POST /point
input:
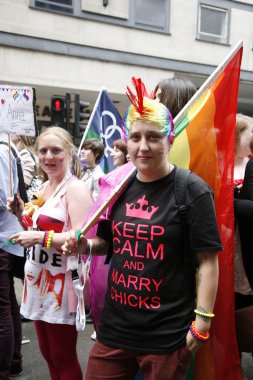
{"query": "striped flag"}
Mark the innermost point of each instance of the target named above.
(205, 144)
(105, 125)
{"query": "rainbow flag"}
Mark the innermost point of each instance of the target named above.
(205, 144)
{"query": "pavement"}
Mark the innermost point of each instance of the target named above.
(35, 367)
(247, 366)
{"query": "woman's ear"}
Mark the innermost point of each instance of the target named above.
(171, 141)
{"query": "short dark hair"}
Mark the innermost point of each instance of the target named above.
(96, 146)
(175, 93)
(121, 145)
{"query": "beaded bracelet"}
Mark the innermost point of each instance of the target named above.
(47, 239)
(202, 338)
(78, 236)
(44, 239)
(203, 314)
(77, 239)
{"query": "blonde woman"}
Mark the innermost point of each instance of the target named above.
(48, 297)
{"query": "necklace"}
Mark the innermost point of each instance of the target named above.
(67, 176)
(59, 186)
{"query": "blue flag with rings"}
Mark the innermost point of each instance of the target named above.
(105, 124)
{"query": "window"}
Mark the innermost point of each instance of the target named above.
(213, 24)
(151, 13)
(113, 8)
(65, 6)
(245, 1)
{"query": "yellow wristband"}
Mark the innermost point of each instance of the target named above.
(49, 239)
(203, 314)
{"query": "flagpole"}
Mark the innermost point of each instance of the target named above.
(10, 164)
(207, 83)
(95, 217)
(90, 120)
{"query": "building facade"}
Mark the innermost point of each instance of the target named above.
(80, 46)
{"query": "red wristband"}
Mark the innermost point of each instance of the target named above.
(201, 337)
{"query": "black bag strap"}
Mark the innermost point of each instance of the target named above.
(21, 182)
(181, 182)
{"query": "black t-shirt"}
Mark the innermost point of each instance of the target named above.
(151, 295)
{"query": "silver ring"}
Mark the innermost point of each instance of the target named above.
(13, 241)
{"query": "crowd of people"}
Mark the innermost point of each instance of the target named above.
(155, 313)
(243, 181)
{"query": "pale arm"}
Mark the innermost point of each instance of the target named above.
(78, 202)
(207, 285)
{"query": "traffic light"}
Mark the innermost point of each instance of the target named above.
(81, 113)
(58, 110)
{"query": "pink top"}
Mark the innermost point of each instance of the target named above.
(48, 290)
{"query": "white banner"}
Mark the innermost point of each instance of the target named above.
(17, 116)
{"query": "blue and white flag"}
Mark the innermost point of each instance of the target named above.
(105, 124)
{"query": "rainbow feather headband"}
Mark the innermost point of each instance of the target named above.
(144, 107)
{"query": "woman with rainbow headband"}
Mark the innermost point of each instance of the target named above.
(150, 318)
